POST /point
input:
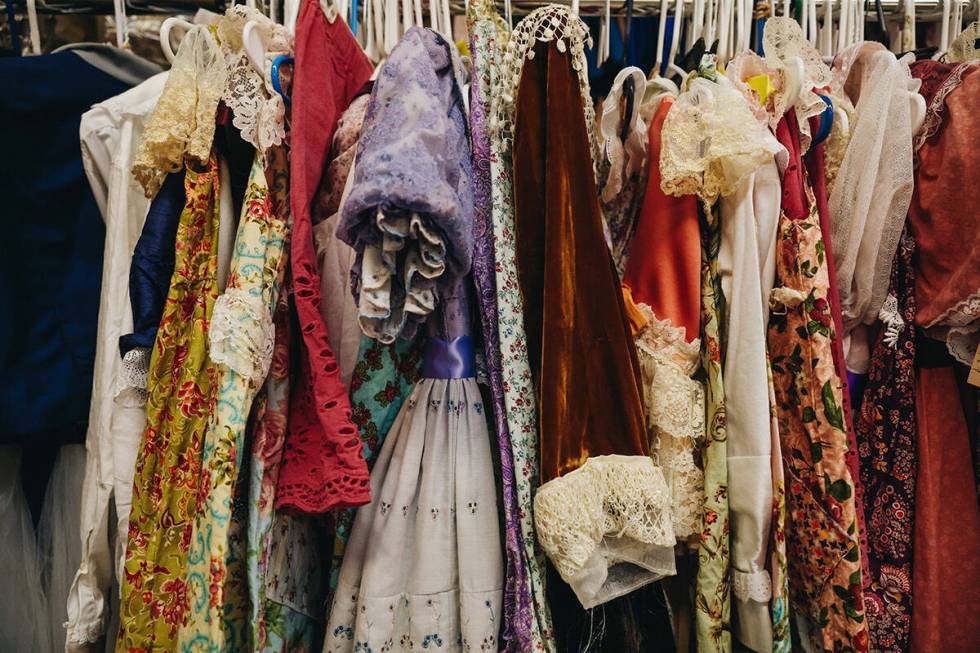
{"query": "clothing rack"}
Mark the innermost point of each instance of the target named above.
(105, 7)
(923, 8)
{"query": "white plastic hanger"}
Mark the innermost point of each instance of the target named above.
(944, 32)
(725, 19)
(447, 22)
(165, 28)
(122, 27)
(602, 52)
(826, 40)
(253, 46)
(290, 14)
(675, 40)
(697, 23)
(34, 27)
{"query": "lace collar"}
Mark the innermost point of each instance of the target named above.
(783, 38)
(258, 111)
(553, 23)
(211, 66)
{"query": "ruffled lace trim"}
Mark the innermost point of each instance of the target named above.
(934, 112)
(964, 47)
(675, 408)
(182, 125)
(242, 334)
(668, 343)
(257, 110)
(131, 383)
(384, 308)
(959, 326)
(626, 159)
(612, 509)
(752, 586)
(782, 39)
(553, 23)
(712, 141)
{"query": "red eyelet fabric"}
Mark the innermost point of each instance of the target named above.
(323, 466)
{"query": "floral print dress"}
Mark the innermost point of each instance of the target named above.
(181, 388)
(242, 344)
(823, 549)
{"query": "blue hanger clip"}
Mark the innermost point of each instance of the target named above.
(274, 73)
(826, 121)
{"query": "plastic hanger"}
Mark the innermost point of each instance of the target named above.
(675, 40)
(33, 26)
(253, 45)
(274, 74)
(122, 27)
(165, 28)
(602, 52)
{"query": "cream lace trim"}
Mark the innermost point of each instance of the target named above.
(608, 498)
(783, 38)
(891, 318)
(712, 141)
(963, 48)
(258, 111)
(242, 334)
(553, 23)
(959, 326)
(675, 409)
(752, 586)
(130, 390)
(934, 112)
(182, 125)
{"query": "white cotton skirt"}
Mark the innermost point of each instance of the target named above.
(424, 566)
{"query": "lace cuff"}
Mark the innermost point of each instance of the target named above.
(130, 390)
(675, 409)
(606, 526)
(242, 334)
(752, 585)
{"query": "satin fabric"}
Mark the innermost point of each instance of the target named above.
(153, 263)
(323, 466)
(580, 347)
(664, 267)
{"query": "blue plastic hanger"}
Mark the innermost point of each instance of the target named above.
(274, 72)
(826, 121)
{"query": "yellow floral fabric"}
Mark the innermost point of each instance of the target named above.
(181, 388)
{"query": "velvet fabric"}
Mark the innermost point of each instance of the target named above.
(664, 268)
(580, 347)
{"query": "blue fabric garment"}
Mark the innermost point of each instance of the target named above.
(153, 263)
(51, 251)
